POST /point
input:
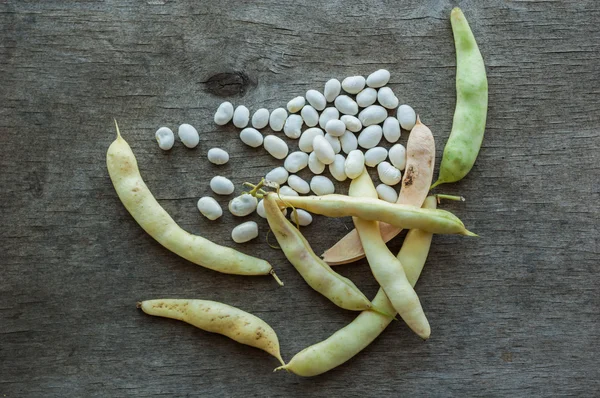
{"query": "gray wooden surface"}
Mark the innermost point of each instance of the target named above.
(513, 313)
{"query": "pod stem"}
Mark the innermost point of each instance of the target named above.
(282, 367)
(138, 304)
(256, 191)
(449, 197)
(274, 275)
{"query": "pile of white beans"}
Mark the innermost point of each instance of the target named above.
(325, 125)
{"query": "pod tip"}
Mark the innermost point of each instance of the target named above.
(274, 275)
(138, 304)
(435, 184)
(117, 127)
(469, 233)
(282, 367)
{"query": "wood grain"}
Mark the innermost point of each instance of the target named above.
(513, 313)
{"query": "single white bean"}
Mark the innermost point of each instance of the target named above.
(209, 208)
(321, 185)
(332, 89)
(298, 184)
(302, 217)
(284, 190)
(327, 115)
(388, 174)
(165, 138)
(260, 119)
(295, 104)
(305, 143)
(407, 117)
(310, 116)
(349, 141)
(387, 193)
(277, 119)
(370, 136)
(387, 98)
(374, 156)
(373, 114)
(278, 175)
(314, 164)
(242, 205)
(241, 117)
(221, 185)
(398, 156)
(260, 209)
(337, 168)
(366, 97)
(188, 135)
(379, 78)
(224, 113)
(323, 149)
(346, 105)
(334, 142)
(251, 137)
(276, 146)
(335, 127)
(352, 123)
(355, 164)
(316, 99)
(391, 129)
(353, 84)
(217, 156)
(293, 126)
(296, 161)
(245, 232)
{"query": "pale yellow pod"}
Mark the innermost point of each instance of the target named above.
(216, 317)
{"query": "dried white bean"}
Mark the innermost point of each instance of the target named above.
(374, 156)
(217, 156)
(260, 209)
(366, 97)
(302, 217)
(407, 117)
(332, 89)
(346, 105)
(398, 156)
(251, 137)
(245, 232)
(321, 185)
(370, 136)
(334, 142)
(242, 205)
(293, 126)
(224, 113)
(314, 164)
(391, 129)
(305, 143)
(379, 78)
(298, 184)
(352, 123)
(316, 99)
(295, 104)
(387, 98)
(388, 174)
(277, 119)
(353, 84)
(336, 169)
(241, 116)
(355, 164)
(209, 208)
(165, 138)
(284, 190)
(323, 150)
(188, 135)
(260, 119)
(387, 193)
(335, 127)
(310, 116)
(221, 185)
(348, 141)
(373, 114)
(296, 161)
(278, 175)
(275, 146)
(327, 115)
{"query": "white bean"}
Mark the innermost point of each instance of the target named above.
(209, 208)
(275, 146)
(221, 185)
(321, 185)
(251, 137)
(217, 156)
(295, 104)
(298, 184)
(348, 141)
(188, 135)
(302, 217)
(334, 142)
(305, 143)
(391, 129)
(284, 190)
(407, 117)
(355, 164)
(316, 99)
(335, 127)
(398, 156)
(353, 84)
(260, 209)
(332, 89)
(310, 116)
(278, 175)
(379, 78)
(277, 119)
(242, 205)
(352, 123)
(366, 97)
(296, 161)
(388, 174)
(293, 126)
(245, 232)
(370, 136)
(323, 150)
(387, 193)
(346, 105)
(314, 164)
(165, 138)
(373, 114)
(327, 115)
(336, 169)
(260, 119)
(241, 116)
(374, 156)
(224, 113)
(387, 98)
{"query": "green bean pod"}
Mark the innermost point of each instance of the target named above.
(470, 113)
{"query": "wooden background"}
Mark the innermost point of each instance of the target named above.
(513, 313)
